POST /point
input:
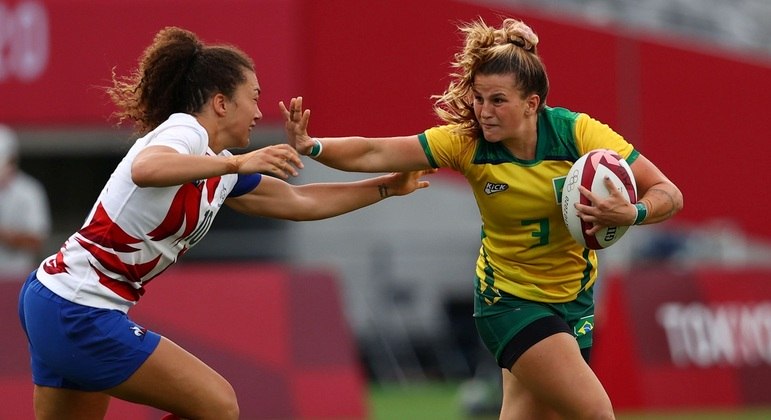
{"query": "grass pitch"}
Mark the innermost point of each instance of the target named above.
(439, 401)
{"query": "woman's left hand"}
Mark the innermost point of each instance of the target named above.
(403, 183)
(296, 125)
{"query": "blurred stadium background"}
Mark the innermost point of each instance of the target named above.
(369, 314)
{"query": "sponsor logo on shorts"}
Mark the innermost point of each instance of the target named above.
(138, 331)
(584, 326)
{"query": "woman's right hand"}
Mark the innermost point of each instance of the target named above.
(296, 125)
(280, 160)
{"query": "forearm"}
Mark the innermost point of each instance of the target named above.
(353, 153)
(176, 169)
(662, 201)
(278, 199)
(324, 200)
(360, 154)
(345, 153)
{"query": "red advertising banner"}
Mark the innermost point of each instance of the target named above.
(56, 56)
(668, 338)
(370, 68)
(278, 335)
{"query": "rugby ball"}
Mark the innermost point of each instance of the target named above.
(590, 170)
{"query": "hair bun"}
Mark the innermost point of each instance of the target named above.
(518, 33)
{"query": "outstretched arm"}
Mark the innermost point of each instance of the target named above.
(354, 154)
(278, 199)
(162, 166)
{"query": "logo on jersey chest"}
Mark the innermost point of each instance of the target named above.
(492, 188)
(558, 184)
(199, 184)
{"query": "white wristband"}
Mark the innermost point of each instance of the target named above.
(316, 149)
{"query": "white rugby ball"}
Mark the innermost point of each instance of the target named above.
(590, 170)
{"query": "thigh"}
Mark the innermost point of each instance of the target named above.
(68, 404)
(520, 403)
(501, 332)
(174, 380)
(553, 373)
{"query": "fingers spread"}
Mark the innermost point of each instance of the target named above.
(284, 111)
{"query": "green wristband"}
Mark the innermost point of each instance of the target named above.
(316, 149)
(642, 213)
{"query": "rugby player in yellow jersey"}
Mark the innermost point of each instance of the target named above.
(534, 307)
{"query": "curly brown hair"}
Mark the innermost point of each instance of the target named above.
(510, 49)
(176, 73)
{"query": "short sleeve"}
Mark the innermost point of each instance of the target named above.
(592, 134)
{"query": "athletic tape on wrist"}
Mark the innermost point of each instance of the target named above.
(316, 149)
(642, 213)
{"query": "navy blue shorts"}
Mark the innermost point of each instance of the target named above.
(79, 347)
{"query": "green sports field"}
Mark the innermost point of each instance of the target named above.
(429, 401)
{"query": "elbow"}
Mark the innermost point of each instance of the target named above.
(677, 201)
(305, 216)
(141, 175)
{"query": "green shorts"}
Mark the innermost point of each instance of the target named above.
(500, 317)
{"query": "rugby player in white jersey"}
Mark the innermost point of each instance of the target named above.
(191, 102)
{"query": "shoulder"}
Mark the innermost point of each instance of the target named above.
(181, 132)
(441, 130)
(561, 119)
(595, 134)
(557, 135)
(450, 133)
(182, 124)
(559, 122)
(559, 113)
(446, 146)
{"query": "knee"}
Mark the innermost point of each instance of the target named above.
(603, 409)
(602, 412)
(223, 405)
(525, 405)
(229, 405)
(599, 410)
(522, 405)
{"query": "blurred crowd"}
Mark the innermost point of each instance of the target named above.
(25, 219)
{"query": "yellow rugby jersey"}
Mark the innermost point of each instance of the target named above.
(526, 249)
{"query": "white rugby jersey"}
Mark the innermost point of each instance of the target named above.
(133, 234)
